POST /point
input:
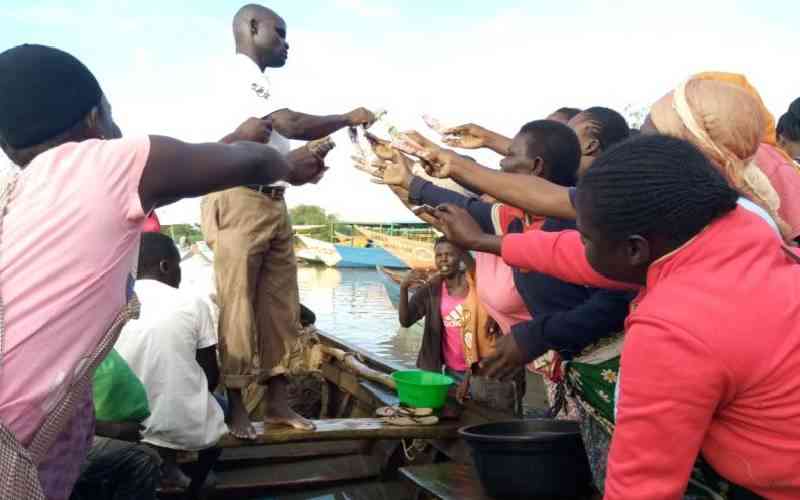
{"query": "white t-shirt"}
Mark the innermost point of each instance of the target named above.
(161, 348)
(245, 91)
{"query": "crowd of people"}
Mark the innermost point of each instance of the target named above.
(649, 275)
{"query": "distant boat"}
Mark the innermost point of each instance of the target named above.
(415, 254)
(391, 282)
(391, 279)
(338, 255)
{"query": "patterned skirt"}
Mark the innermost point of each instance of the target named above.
(591, 381)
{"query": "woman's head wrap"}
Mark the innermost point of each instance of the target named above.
(728, 124)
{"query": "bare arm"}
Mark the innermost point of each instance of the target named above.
(207, 359)
(533, 195)
(175, 169)
(412, 310)
(300, 126)
(471, 136)
(498, 143)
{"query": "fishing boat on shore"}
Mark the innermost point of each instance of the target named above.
(416, 253)
(340, 255)
(396, 246)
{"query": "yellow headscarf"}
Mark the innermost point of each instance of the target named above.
(768, 134)
(728, 123)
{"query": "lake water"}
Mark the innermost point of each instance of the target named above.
(352, 305)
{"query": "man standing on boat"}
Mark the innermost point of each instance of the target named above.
(251, 235)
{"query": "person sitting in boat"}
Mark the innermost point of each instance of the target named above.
(456, 326)
(656, 215)
(119, 465)
(172, 348)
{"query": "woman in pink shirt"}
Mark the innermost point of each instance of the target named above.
(71, 225)
(712, 350)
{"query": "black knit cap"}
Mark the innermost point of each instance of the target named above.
(43, 92)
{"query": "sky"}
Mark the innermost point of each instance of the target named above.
(498, 63)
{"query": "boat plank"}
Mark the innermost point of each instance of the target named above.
(261, 478)
(446, 481)
(342, 429)
(294, 450)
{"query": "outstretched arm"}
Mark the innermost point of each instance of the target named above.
(471, 136)
(176, 169)
(531, 194)
(300, 126)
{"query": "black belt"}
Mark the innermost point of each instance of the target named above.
(274, 192)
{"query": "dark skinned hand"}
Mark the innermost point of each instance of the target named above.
(308, 162)
(457, 225)
(469, 136)
(506, 360)
(361, 116)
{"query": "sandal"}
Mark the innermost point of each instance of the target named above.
(402, 411)
(411, 421)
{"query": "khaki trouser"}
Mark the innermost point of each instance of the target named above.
(256, 278)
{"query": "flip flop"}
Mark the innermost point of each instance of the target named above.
(403, 411)
(411, 421)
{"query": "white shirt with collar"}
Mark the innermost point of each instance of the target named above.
(161, 348)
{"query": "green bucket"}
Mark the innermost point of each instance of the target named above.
(422, 389)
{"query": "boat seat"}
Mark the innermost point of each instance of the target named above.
(337, 429)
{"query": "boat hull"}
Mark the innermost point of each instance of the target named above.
(337, 255)
(414, 254)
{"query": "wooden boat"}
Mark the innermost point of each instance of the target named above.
(391, 280)
(350, 453)
(416, 254)
(340, 255)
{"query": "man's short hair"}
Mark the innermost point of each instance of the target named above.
(155, 247)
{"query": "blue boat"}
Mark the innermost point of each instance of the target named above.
(338, 255)
(391, 284)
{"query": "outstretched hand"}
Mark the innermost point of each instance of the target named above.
(308, 162)
(361, 116)
(457, 225)
(415, 277)
(469, 136)
(437, 162)
(506, 360)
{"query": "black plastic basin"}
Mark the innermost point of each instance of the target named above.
(529, 458)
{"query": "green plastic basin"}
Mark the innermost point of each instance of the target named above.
(422, 389)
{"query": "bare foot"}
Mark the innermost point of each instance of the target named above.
(239, 420)
(277, 408)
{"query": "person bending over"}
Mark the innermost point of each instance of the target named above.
(65, 290)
